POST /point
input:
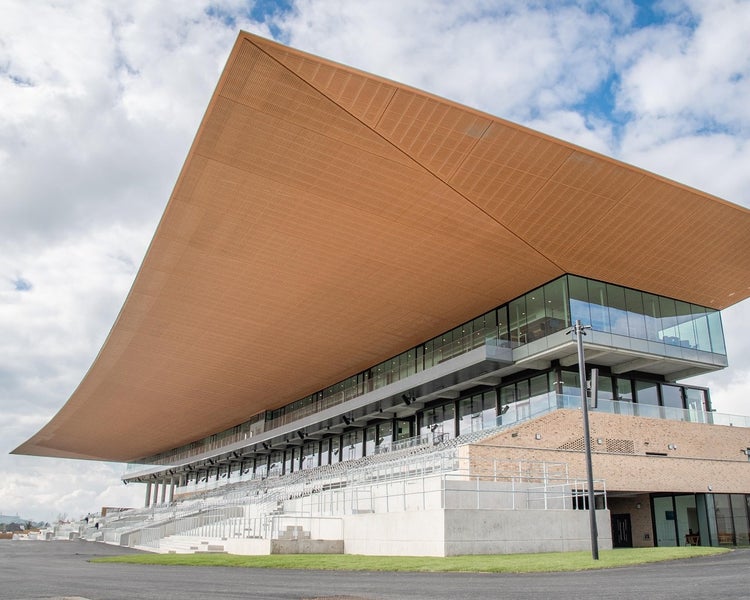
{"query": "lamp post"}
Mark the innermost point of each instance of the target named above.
(578, 331)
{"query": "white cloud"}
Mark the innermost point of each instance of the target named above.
(101, 101)
(511, 59)
(40, 489)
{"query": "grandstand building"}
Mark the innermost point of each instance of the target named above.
(352, 333)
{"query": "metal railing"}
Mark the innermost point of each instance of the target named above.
(440, 479)
(537, 406)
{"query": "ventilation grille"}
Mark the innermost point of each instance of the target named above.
(614, 446)
(620, 446)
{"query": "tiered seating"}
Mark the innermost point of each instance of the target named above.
(266, 497)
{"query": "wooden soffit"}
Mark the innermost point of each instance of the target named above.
(327, 219)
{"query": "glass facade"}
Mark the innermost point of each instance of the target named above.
(701, 519)
(614, 309)
(542, 312)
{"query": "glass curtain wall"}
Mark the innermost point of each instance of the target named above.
(477, 412)
(439, 421)
(622, 311)
(537, 314)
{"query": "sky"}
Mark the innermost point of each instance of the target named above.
(100, 101)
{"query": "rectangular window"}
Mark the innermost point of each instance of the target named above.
(507, 395)
(335, 450)
(740, 519)
(439, 422)
(466, 415)
(636, 314)
(370, 440)
(403, 429)
(724, 521)
(489, 410)
(579, 300)
(671, 396)
(700, 322)
(556, 306)
(598, 306)
(716, 332)
(646, 395)
(618, 312)
(696, 403)
(385, 435)
(605, 390)
(624, 390)
(571, 384)
(517, 310)
(539, 385)
(536, 326)
(668, 323)
(653, 317)
(503, 330)
(325, 452)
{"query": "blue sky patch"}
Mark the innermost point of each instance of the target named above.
(22, 285)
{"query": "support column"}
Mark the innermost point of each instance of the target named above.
(163, 491)
(148, 495)
(155, 495)
(171, 491)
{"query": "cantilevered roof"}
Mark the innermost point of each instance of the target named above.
(327, 219)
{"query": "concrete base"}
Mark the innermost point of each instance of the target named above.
(307, 546)
(455, 532)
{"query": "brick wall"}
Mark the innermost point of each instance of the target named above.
(704, 458)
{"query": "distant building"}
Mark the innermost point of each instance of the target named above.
(351, 272)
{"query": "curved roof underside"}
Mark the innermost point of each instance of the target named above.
(327, 219)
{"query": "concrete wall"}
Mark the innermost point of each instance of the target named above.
(520, 531)
(249, 546)
(307, 546)
(395, 534)
(470, 531)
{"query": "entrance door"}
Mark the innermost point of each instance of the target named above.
(622, 536)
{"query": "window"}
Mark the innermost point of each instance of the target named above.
(700, 322)
(618, 312)
(716, 332)
(579, 300)
(598, 306)
(370, 440)
(653, 317)
(636, 314)
(571, 384)
(668, 323)
(536, 327)
(646, 393)
(696, 400)
(556, 306)
(671, 396)
(604, 385)
(624, 390)
(439, 421)
(385, 435)
(517, 309)
(477, 413)
(581, 500)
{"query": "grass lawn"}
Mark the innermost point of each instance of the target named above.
(499, 563)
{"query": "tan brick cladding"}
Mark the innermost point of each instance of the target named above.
(705, 458)
(639, 509)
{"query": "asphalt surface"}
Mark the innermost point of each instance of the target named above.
(46, 570)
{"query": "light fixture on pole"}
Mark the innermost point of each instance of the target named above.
(578, 331)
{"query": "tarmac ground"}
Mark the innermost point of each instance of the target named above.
(60, 570)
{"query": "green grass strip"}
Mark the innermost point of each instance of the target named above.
(496, 563)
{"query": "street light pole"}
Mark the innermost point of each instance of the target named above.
(578, 331)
